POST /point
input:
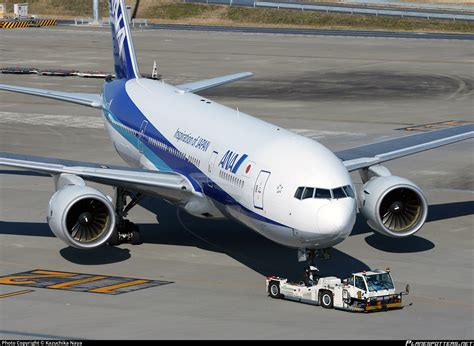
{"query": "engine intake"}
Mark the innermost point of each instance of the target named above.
(87, 219)
(393, 206)
(81, 216)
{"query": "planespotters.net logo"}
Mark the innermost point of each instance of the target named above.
(439, 343)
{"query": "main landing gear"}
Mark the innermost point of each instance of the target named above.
(126, 232)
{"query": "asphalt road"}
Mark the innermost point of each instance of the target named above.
(341, 91)
(316, 32)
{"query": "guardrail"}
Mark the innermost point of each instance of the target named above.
(90, 21)
(341, 9)
(139, 22)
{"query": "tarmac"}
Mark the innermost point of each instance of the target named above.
(299, 31)
(342, 91)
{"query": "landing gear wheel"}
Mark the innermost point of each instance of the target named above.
(310, 255)
(125, 230)
(326, 300)
(136, 239)
(325, 253)
(114, 239)
(274, 290)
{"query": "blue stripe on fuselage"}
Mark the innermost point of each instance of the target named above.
(119, 106)
(149, 154)
(122, 108)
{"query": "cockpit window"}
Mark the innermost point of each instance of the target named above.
(338, 193)
(303, 192)
(348, 190)
(308, 192)
(299, 192)
(322, 193)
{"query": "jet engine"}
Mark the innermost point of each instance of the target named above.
(393, 206)
(79, 215)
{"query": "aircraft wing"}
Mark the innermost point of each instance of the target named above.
(168, 185)
(90, 100)
(213, 82)
(371, 154)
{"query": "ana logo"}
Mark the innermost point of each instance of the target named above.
(231, 161)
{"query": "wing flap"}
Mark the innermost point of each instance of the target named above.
(90, 100)
(169, 185)
(375, 153)
(213, 82)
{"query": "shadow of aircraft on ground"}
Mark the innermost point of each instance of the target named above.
(415, 243)
(239, 242)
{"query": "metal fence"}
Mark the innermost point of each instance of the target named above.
(342, 9)
(136, 23)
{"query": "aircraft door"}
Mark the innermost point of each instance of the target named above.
(141, 136)
(259, 189)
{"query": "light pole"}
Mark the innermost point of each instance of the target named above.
(95, 11)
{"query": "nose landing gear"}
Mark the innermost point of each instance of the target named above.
(310, 256)
(311, 272)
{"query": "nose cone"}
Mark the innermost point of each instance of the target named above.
(337, 217)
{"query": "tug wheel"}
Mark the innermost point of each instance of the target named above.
(326, 299)
(274, 290)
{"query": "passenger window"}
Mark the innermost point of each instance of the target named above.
(349, 191)
(359, 283)
(299, 192)
(338, 193)
(308, 192)
(323, 193)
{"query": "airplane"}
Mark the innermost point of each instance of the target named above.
(216, 162)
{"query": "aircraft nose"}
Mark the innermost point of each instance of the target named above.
(337, 217)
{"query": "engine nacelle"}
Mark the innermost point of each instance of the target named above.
(393, 206)
(81, 216)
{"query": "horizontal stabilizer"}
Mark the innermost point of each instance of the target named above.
(213, 82)
(90, 100)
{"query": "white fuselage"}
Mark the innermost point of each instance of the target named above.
(241, 167)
